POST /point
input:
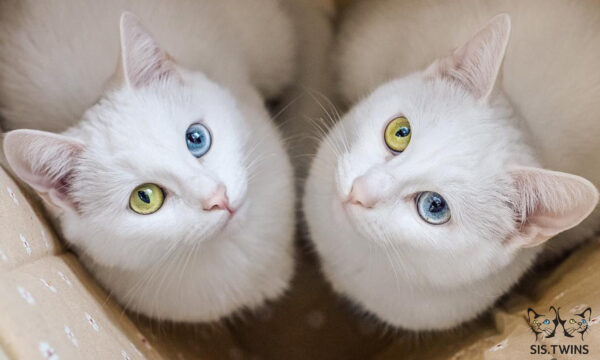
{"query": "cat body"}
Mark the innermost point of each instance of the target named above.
(476, 153)
(174, 185)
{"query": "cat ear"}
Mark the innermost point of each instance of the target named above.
(529, 312)
(142, 61)
(550, 202)
(476, 64)
(589, 314)
(556, 316)
(45, 161)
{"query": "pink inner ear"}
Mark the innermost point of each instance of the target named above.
(45, 161)
(551, 202)
(143, 61)
(476, 64)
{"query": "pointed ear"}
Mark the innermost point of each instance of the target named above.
(142, 61)
(529, 313)
(587, 311)
(549, 202)
(45, 161)
(552, 308)
(476, 64)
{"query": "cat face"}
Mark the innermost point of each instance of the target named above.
(166, 159)
(447, 206)
(543, 325)
(385, 196)
(577, 323)
(144, 141)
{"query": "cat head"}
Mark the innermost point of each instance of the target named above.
(434, 165)
(577, 323)
(541, 324)
(162, 159)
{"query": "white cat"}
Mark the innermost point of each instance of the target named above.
(428, 200)
(175, 186)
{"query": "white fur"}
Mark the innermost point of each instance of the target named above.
(181, 263)
(306, 101)
(482, 152)
(56, 57)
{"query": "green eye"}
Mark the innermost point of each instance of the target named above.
(397, 134)
(146, 199)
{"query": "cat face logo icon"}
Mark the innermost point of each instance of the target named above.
(545, 325)
(577, 324)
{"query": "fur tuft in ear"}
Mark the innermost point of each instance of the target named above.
(476, 64)
(142, 61)
(45, 161)
(550, 202)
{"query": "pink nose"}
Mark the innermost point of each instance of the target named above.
(218, 200)
(359, 194)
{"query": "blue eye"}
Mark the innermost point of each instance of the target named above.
(546, 321)
(583, 321)
(432, 208)
(198, 139)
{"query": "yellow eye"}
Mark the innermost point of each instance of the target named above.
(146, 199)
(397, 134)
(572, 321)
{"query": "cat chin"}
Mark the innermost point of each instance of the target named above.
(222, 226)
(422, 308)
(396, 296)
(193, 296)
(399, 296)
(358, 219)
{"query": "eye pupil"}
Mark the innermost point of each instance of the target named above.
(437, 204)
(144, 196)
(397, 134)
(195, 137)
(403, 132)
(146, 199)
(432, 208)
(198, 139)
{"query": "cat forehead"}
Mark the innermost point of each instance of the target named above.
(195, 97)
(427, 103)
(154, 115)
(144, 131)
(440, 130)
(447, 124)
